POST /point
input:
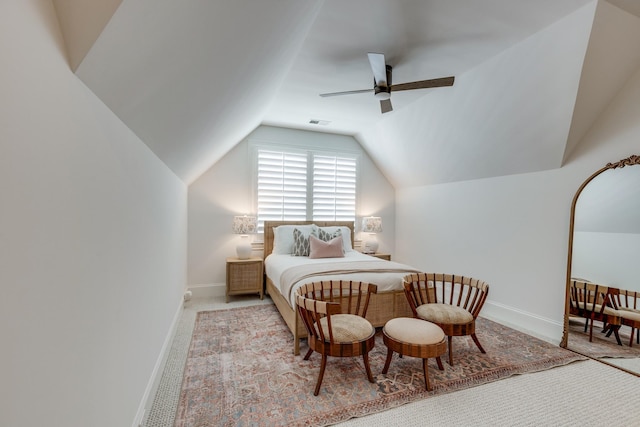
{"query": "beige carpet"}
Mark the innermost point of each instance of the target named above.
(586, 393)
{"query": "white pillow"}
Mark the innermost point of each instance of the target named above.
(283, 237)
(346, 236)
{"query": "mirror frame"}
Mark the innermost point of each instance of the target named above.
(629, 161)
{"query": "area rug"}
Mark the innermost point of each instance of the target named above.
(241, 371)
(601, 345)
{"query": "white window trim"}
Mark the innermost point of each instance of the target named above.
(255, 145)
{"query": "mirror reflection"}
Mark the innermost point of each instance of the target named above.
(604, 292)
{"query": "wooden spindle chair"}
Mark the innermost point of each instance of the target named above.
(593, 302)
(451, 302)
(333, 313)
(628, 305)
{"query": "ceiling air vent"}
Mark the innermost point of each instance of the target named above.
(319, 122)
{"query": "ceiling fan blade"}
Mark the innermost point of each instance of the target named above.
(385, 105)
(379, 68)
(349, 92)
(424, 84)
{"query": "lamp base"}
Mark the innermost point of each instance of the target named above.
(370, 246)
(243, 250)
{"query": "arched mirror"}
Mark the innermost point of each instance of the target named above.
(604, 253)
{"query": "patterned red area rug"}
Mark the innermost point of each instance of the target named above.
(241, 371)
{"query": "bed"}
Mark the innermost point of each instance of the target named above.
(284, 273)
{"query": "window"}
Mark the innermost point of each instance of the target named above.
(305, 185)
(334, 188)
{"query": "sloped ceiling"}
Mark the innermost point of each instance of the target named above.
(192, 78)
(81, 22)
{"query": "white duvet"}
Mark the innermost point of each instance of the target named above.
(277, 266)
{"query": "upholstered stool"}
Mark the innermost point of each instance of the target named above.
(416, 338)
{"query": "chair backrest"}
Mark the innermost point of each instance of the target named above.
(352, 297)
(626, 299)
(312, 311)
(461, 291)
(318, 300)
(587, 297)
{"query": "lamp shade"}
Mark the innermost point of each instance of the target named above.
(372, 224)
(244, 224)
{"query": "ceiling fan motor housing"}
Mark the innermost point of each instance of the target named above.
(382, 92)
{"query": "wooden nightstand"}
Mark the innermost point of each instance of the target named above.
(382, 256)
(244, 276)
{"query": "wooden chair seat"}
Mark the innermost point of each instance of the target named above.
(444, 313)
(347, 328)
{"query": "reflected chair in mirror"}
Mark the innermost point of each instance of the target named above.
(333, 313)
(628, 305)
(451, 302)
(593, 302)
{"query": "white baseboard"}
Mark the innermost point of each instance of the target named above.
(156, 374)
(546, 329)
(208, 290)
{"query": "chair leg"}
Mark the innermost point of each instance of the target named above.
(614, 329)
(615, 332)
(439, 363)
(308, 355)
(631, 338)
(450, 351)
(475, 340)
(323, 364)
(365, 357)
(387, 363)
(425, 370)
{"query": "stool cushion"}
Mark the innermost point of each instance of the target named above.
(444, 314)
(413, 331)
(347, 328)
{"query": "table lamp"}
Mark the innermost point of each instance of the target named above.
(244, 225)
(371, 225)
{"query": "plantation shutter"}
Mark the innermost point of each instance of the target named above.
(334, 188)
(282, 186)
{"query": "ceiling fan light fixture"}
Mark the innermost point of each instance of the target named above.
(382, 93)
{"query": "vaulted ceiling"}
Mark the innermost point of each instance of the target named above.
(193, 78)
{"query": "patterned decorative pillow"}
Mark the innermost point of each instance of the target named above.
(283, 237)
(300, 243)
(346, 235)
(325, 236)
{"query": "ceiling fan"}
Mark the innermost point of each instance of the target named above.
(382, 86)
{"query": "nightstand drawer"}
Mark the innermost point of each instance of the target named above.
(244, 276)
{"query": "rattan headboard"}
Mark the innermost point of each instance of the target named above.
(268, 230)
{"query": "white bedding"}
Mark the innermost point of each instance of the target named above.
(277, 264)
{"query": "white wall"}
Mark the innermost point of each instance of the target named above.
(512, 231)
(92, 241)
(225, 190)
(607, 258)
